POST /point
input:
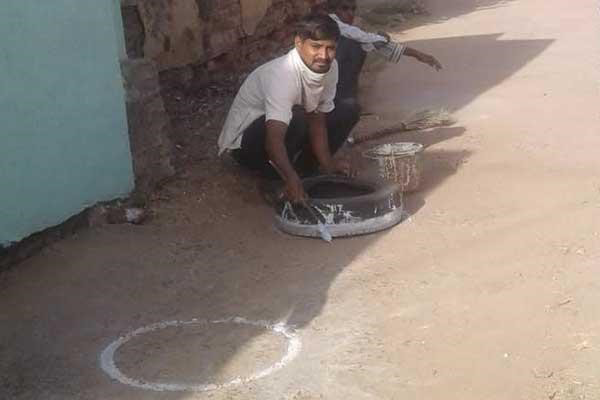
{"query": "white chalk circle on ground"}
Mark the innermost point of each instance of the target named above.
(107, 357)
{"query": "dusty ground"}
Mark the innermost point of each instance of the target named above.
(489, 291)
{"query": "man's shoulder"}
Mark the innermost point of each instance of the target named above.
(279, 71)
(280, 63)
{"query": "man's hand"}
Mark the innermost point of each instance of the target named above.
(385, 35)
(294, 191)
(429, 60)
(423, 57)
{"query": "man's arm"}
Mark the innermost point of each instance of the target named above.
(275, 147)
(423, 57)
(317, 130)
(319, 141)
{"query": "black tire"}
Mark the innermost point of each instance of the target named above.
(378, 207)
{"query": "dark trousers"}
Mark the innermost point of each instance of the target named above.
(351, 58)
(253, 154)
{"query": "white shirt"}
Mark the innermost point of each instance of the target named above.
(272, 90)
(366, 39)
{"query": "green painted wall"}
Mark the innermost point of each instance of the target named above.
(64, 144)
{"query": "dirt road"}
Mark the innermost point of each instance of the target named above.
(489, 291)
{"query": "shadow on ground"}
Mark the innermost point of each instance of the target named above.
(211, 252)
(472, 66)
(462, 7)
(386, 11)
(201, 257)
(435, 165)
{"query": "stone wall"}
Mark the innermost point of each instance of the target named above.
(213, 34)
(149, 125)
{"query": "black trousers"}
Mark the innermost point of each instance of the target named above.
(351, 59)
(253, 154)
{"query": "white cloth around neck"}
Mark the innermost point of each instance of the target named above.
(312, 83)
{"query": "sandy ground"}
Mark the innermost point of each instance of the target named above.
(489, 291)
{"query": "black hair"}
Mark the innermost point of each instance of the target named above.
(334, 5)
(317, 27)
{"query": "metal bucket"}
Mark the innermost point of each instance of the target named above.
(398, 162)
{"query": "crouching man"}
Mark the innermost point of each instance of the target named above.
(283, 120)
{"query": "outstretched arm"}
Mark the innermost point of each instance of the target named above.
(423, 57)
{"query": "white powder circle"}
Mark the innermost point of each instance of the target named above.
(108, 365)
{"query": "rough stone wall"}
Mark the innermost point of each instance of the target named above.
(149, 125)
(215, 33)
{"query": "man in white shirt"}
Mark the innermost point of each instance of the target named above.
(355, 43)
(284, 115)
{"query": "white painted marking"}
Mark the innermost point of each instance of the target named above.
(107, 357)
